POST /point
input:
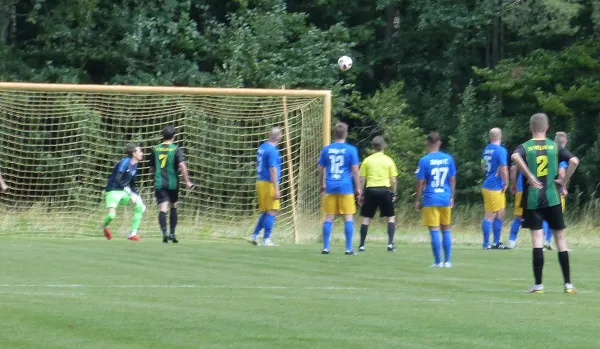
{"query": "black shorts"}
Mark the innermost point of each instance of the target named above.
(533, 219)
(377, 197)
(166, 195)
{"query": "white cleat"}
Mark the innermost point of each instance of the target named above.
(512, 244)
(268, 242)
(536, 289)
(253, 240)
(447, 265)
(435, 265)
(570, 289)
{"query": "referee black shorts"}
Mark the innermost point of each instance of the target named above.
(166, 195)
(377, 197)
(533, 219)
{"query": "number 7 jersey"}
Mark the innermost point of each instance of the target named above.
(166, 159)
(338, 159)
(436, 169)
(542, 157)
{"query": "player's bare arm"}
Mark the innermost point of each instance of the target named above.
(504, 176)
(418, 192)
(573, 163)
(273, 177)
(186, 176)
(321, 178)
(452, 190)
(356, 178)
(513, 179)
(394, 181)
(522, 166)
(3, 186)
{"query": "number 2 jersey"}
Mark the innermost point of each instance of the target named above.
(166, 159)
(338, 159)
(542, 157)
(436, 169)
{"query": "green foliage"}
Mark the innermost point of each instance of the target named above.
(460, 68)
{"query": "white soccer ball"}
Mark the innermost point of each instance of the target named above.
(345, 63)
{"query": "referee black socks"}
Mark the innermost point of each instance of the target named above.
(391, 230)
(363, 233)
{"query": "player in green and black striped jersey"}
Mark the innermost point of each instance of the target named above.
(166, 161)
(538, 159)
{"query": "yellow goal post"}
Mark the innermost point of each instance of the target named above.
(59, 143)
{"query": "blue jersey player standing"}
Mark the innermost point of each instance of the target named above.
(339, 181)
(436, 181)
(494, 163)
(268, 173)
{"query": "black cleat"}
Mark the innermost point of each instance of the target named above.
(165, 239)
(173, 239)
(362, 248)
(391, 248)
(350, 253)
(325, 251)
(500, 246)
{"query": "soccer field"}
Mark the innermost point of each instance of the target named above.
(120, 294)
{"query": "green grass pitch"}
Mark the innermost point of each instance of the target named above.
(57, 293)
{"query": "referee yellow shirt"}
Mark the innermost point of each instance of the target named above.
(378, 170)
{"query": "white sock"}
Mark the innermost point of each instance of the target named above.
(511, 244)
(133, 233)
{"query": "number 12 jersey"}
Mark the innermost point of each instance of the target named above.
(338, 159)
(436, 169)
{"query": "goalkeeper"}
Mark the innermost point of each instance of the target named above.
(120, 189)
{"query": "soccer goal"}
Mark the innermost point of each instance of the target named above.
(59, 143)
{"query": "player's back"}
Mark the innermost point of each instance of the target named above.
(436, 169)
(129, 171)
(267, 156)
(168, 157)
(493, 157)
(542, 159)
(338, 159)
(378, 168)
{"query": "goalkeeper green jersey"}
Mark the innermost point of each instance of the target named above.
(542, 157)
(166, 159)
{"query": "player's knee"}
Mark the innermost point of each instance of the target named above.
(139, 208)
(392, 219)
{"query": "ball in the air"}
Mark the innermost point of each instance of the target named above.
(345, 63)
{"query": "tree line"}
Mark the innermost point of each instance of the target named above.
(458, 67)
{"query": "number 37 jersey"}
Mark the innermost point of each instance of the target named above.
(338, 159)
(436, 169)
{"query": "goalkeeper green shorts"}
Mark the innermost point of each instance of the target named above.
(114, 198)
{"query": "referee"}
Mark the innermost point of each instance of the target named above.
(378, 174)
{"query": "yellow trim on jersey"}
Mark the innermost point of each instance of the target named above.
(493, 200)
(378, 170)
(265, 192)
(435, 216)
(338, 204)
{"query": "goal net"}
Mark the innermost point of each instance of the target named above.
(59, 143)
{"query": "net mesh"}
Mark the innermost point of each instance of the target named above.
(57, 150)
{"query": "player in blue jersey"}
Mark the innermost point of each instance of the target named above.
(121, 189)
(436, 180)
(268, 172)
(494, 163)
(339, 181)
